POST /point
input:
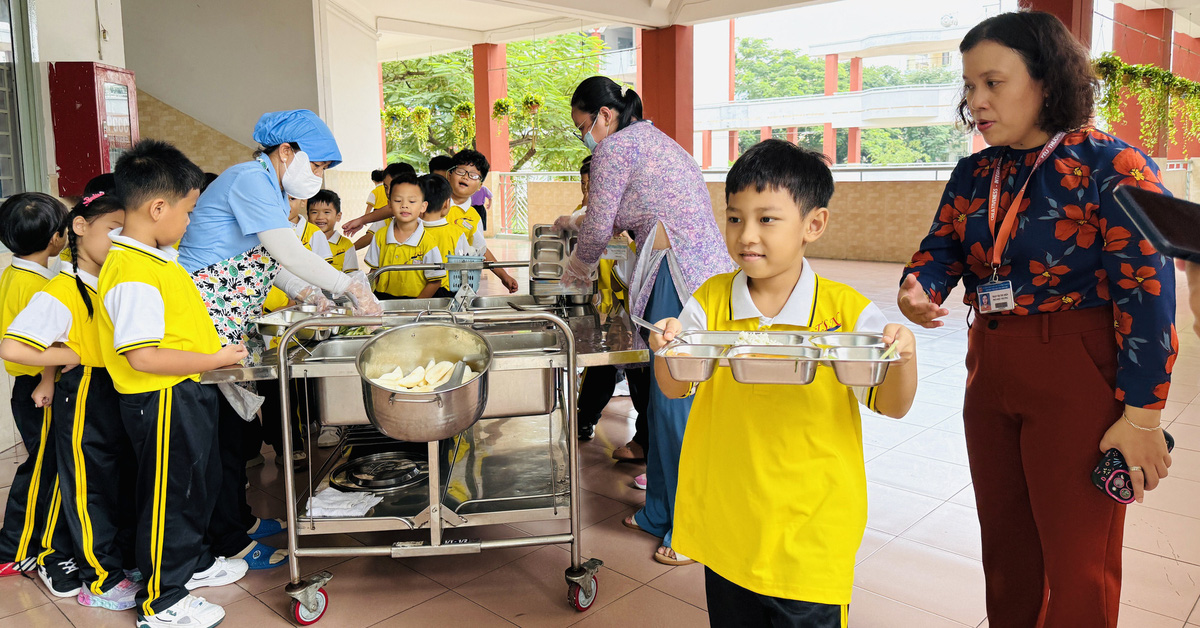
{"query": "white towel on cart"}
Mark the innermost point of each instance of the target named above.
(334, 503)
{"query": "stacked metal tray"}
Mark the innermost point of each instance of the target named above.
(549, 248)
(857, 359)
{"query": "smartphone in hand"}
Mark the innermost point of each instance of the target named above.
(1111, 475)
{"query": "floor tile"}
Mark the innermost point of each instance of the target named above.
(251, 613)
(872, 540)
(365, 591)
(650, 607)
(1160, 585)
(453, 570)
(437, 612)
(953, 423)
(892, 510)
(941, 394)
(685, 583)
(937, 444)
(531, 591)
(965, 497)
(1133, 617)
(1175, 494)
(887, 432)
(18, 594)
(625, 551)
(8, 468)
(870, 610)
(1182, 392)
(920, 475)
(47, 616)
(595, 509)
(934, 580)
(954, 375)
(1190, 415)
(951, 527)
(927, 414)
(615, 481)
(101, 618)
(1185, 464)
(258, 580)
(1163, 534)
(1186, 436)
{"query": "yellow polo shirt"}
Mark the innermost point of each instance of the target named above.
(419, 248)
(772, 488)
(338, 246)
(18, 283)
(58, 314)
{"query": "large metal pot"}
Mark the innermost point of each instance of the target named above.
(424, 417)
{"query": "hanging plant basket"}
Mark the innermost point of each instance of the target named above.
(531, 103)
(1163, 97)
(502, 108)
(463, 125)
(395, 118)
(418, 122)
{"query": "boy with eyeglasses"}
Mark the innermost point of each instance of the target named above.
(466, 175)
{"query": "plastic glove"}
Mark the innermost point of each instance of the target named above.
(365, 303)
(570, 223)
(312, 295)
(578, 274)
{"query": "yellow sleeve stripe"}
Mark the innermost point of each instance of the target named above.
(141, 344)
(26, 340)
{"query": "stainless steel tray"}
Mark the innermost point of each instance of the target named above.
(277, 322)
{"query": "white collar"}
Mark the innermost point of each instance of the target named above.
(34, 267)
(436, 223)
(300, 224)
(412, 240)
(165, 253)
(465, 206)
(797, 311)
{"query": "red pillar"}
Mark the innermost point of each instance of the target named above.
(706, 149)
(793, 135)
(854, 149)
(733, 146)
(1185, 63)
(764, 133)
(1141, 37)
(637, 45)
(1076, 14)
(491, 84)
(667, 98)
(829, 138)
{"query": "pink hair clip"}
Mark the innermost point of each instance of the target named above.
(88, 199)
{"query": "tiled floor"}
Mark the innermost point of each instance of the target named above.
(918, 567)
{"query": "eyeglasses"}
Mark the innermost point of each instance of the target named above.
(463, 172)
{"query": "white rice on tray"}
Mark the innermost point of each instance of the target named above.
(756, 338)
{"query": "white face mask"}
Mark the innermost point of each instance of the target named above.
(299, 180)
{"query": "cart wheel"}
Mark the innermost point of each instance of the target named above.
(306, 618)
(580, 600)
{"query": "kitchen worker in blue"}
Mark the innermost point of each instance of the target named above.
(238, 245)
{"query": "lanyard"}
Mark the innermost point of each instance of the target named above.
(1002, 237)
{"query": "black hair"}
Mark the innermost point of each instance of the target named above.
(601, 91)
(436, 189)
(154, 168)
(782, 165)
(106, 183)
(377, 176)
(90, 208)
(270, 150)
(406, 177)
(209, 177)
(327, 196)
(585, 168)
(441, 162)
(28, 221)
(468, 157)
(398, 168)
(1052, 56)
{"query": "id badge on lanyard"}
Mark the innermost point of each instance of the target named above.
(996, 295)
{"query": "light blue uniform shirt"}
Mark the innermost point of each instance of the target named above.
(241, 203)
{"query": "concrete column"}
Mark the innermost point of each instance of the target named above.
(1076, 14)
(793, 135)
(764, 133)
(829, 138)
(706, 149)
(639, 59)
(667, 98)
(1142, 37)
(854, 149)
(491, 84)
(733, 146)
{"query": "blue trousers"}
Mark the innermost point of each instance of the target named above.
(667, 420)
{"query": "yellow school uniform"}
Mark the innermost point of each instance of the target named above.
(339, 245)
(419, 248)
(19, 282)
(465, 217)
(58, 314)
(148, 300)
(379, 197)
(772, 490)
(277, 298)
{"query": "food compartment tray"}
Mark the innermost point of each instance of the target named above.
(855, 357)
(773, 364)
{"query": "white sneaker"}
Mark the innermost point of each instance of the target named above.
(118, 598)
(191, 611)
(329, 437)
(222, 572)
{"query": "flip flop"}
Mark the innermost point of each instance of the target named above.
(259, 557)
(631, 523)
(677, 560)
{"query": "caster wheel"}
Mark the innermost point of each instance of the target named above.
(306, 618)
(580, 600)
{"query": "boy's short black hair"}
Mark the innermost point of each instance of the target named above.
(404, 177)
(585, 168)
(327, 196)
(441, 162)
(209, 177)
(468, 157)
(377, 176)
(399, 168)
(29, 220)
(154, 168)
(436, 189)
(803, 173)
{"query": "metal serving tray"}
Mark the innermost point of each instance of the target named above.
(276, 323)
(774, 364)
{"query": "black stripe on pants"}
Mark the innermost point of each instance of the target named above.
(97, 474)
(174, 436)
(32, 490)
(231, 516)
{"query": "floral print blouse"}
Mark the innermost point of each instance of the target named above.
(1072, 248)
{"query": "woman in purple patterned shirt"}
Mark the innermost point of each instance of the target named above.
(643, 181)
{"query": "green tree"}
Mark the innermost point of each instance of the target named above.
(549, 68)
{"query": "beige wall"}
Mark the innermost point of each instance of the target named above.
(880, 221)
(210, 149)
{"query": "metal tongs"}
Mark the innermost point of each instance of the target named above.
(641, 322)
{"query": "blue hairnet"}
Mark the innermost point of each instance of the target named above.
(302, 127)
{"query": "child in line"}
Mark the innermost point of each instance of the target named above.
(157, 338)
(449, 238)
(441, 165)
(378, 197)
(34, 227)
(95, 459)
(402, 240)
(772, 495)
(325, 211)
(469, 170)
(372, 217)
(311, 237)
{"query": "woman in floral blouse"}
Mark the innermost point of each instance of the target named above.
(1071, 348)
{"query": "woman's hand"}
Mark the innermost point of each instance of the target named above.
(670, 325)
(916, 305)
(1140, 448)
(905, 341)
(43, 393)
(365, 303)
(312, 295)
(577, 275)
(569, 223)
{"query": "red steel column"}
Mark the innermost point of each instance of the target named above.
(829, 139)
(764, 133)
(706, 149)
(793, 135)
(1141, 37)
(1076, 14)
(667, 98)
(491, 83)
(854, 149)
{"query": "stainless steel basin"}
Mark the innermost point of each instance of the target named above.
(502, 303)
(548, 251)
(392, 306)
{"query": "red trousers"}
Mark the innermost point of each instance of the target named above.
(1040, 396)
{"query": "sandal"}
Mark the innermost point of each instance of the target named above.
(671, 557)
(259, 557)
(631, 523)
(631, 452)
(267, 527)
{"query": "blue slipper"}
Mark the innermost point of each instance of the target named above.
(259, 557)
(267, 527)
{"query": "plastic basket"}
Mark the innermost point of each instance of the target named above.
(473, 276)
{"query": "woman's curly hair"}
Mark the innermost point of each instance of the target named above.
(1052, 56)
